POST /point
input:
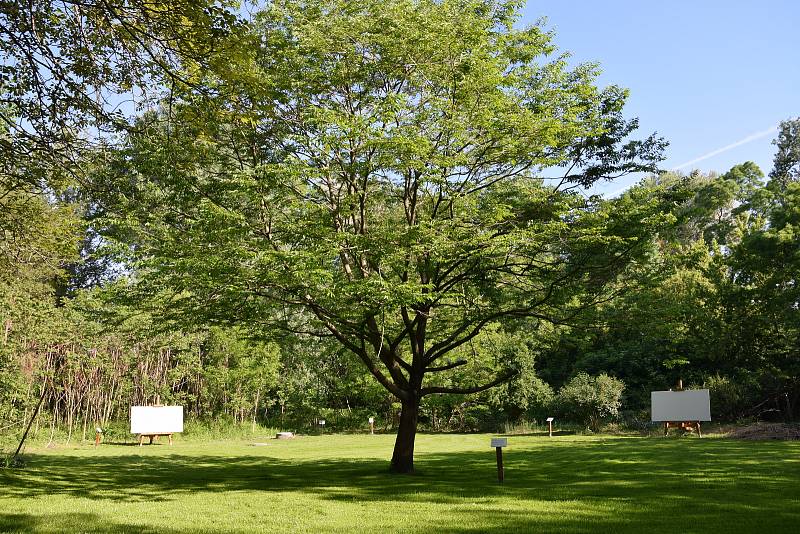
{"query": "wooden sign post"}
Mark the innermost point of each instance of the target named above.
(322, 425)
(498, 444)
(371, 425)
(98, 436)
(550, 425)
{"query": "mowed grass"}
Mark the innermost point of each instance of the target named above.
(340, 483)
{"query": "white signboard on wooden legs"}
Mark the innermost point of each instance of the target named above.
(151, 420)
(684, 405)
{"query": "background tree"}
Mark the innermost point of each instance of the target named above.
(714, 304)
(765, 272)
(786, 166)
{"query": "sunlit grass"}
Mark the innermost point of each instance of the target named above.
(340, 483)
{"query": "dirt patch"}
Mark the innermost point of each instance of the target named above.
(764, 431)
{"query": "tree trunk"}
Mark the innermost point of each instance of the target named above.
(255, 410)
(403, 457)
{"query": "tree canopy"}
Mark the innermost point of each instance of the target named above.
(72, 73)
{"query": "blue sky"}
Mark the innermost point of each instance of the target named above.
(706, 75)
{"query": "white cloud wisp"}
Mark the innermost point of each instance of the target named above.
(751, 137)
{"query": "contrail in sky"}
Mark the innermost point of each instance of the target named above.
(751, 137)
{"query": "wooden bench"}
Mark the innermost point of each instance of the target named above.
(151, 436)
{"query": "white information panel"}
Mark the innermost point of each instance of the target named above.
(686, 405)
(156, 419)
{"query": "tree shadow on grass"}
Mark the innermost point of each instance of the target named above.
(620, 483)
(539, 434)
(71, 522)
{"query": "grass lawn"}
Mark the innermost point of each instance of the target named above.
(339, 483)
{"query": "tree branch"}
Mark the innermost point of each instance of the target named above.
(453, 365)
(464, 391)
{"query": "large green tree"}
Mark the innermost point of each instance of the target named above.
(395, 175)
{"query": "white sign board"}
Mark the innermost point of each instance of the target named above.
(156, 419)
(550, 419)
(371, 419)
(686, 405)
(499, 442)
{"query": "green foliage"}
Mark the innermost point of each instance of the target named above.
(37, 237)
(786, 166)
(65, 66)
(238, 373)
(732, 400)
(716, 298)
(590, 399)
(525, 395)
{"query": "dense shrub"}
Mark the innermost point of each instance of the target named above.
(732, 399)
(590, 399)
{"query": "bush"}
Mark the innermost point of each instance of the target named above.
(590, 399)
(730, 400)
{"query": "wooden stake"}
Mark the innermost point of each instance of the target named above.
(500, 473)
